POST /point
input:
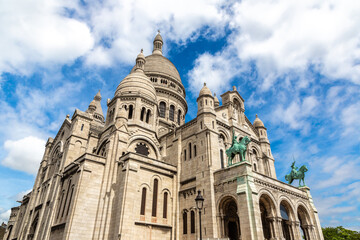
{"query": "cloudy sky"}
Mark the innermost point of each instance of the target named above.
(296, 64)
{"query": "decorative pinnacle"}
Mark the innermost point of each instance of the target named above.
(256, 116)
(159, 31)
(204, 83)
(141, 50)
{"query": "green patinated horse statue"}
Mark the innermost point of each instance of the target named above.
(297, 174)
(237, 148)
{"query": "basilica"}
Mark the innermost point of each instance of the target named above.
(134, 172)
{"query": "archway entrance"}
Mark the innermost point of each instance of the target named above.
(267, 211)
(231, 223)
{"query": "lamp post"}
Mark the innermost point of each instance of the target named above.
(199, 204)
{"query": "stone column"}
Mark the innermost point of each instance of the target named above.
(272, 228)
(280, 234)
(296, 229)
(289, 226)
(221, 224)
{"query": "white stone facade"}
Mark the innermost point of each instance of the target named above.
(135, 175)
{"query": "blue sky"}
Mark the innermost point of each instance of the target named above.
(296, 64)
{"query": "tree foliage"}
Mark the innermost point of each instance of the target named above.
(340, 233)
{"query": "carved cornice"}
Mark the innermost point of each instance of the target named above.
(278, 188)
(188, 192)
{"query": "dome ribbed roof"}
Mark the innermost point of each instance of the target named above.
(136, 83)
(258, 122)
(159, 64)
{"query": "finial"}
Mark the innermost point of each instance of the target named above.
(234, 88)
(256, 116)
(67, 116)
(204, 84)
(142, 50)
(214, 94)
(159, 31)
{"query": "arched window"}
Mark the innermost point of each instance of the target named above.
(192, 219)
(148, 116)
(143, 200)
(184, 154)
(172, 113)
(155, 192)
(285, 220)
(179, 117)
(142, 114)
(162, 108)
(265, 222)
(165, 205)
(195, 151)
(61, 201)
(67, 194)
(130, 112)
(184, 223)
(189, 151)
(222, 158)
(70, 199)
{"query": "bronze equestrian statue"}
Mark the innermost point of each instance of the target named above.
(297, 174)
(237, 148)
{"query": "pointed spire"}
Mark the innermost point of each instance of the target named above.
(140, 62)
(95, 108)
(158, 42)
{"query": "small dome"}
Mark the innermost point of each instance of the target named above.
(136, 83)
(205, 91)
(140, 55)
(158, 37)
(258, 123)
(216, 101)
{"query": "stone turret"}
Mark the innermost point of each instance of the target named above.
(205, 101)
(259, 125)
(158, 42)
(95, 108)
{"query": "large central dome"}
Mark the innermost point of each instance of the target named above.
(158, 64)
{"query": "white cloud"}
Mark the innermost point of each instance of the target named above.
(296, 113)
(38, 33)
(24, 154)
(350, 118)
(283, 36)
(216, 70)
(4, 215)
(122, 28)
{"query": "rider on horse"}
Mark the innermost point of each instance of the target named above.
(294, 170)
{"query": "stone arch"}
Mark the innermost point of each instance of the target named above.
(166, 190)
(268, 211)
(152, 146)
(158, 177)
(229, 217)
(305, 224)
(286, 213)
(101, 150)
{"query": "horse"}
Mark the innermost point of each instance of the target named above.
(300, 174)
(238, 148)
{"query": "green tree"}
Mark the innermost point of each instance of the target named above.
(340, 233)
